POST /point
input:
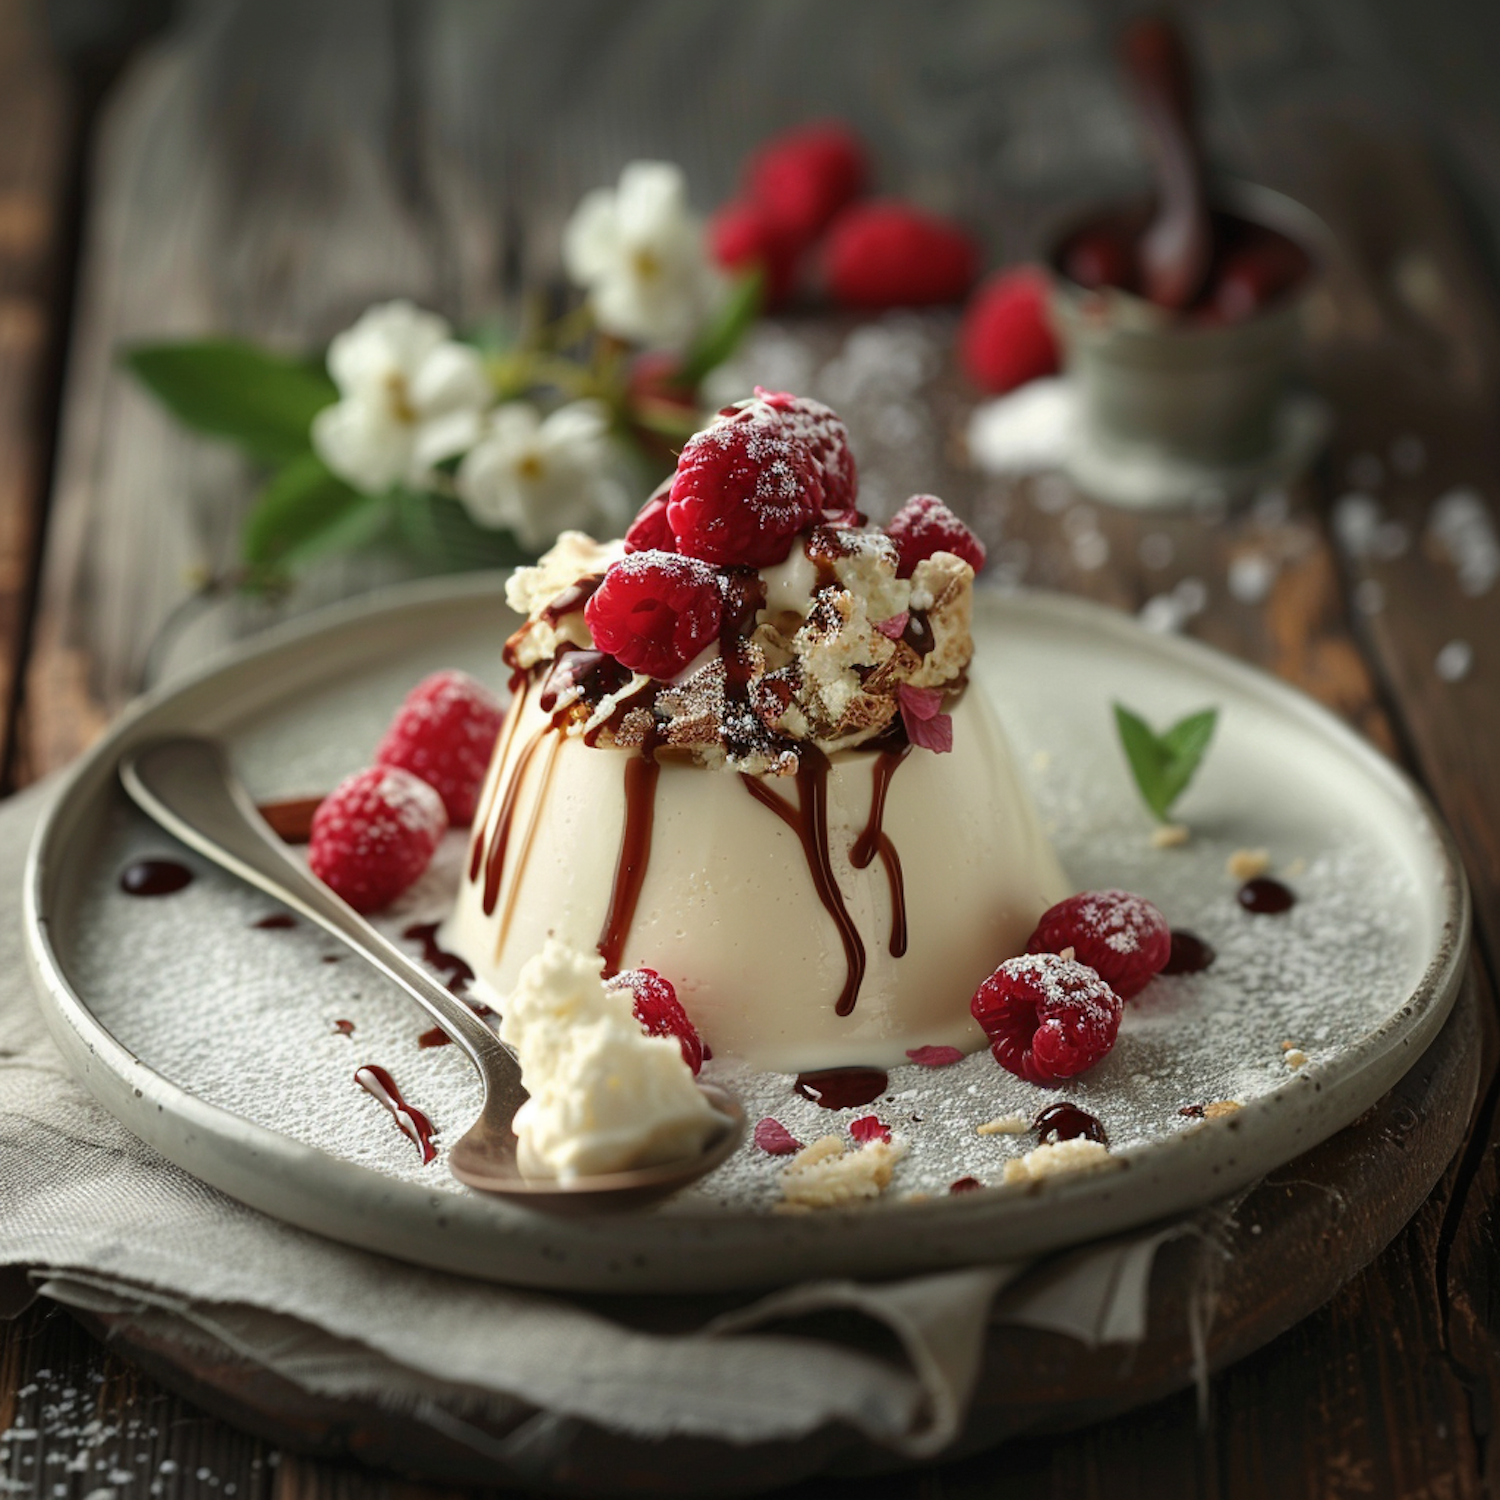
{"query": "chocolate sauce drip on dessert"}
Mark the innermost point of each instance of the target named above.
(494, 860)
(1189, 955)
(291, 821)
(809, 821)
(435, 956)
(572, 598)
(277, 921)
(1066, 1122)
(410, 1120)
(154, 877)
(519, 683)
(434, 1036)
(1265, 897)
(641, 776)
(842, 1088)
(875, 840)
(586, 674)
(918, 633)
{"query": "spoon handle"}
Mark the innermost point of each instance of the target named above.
(1177, 246)
(186, 785)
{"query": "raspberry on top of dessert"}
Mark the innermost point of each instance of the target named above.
(763, 616)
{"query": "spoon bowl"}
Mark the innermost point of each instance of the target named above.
(186, 785)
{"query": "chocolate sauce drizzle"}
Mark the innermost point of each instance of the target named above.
(1067, 1122)
(458, 972)
(1266, 897)
(154, 877)
(641, 776)
(875, 840)
(842, 1088)
(410, 1120)
(809, 821)
(276, 921)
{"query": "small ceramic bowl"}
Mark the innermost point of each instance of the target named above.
(1175, 408)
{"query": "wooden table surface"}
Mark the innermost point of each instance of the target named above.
(272, 168)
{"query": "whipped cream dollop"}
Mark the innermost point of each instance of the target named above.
(818, 651)
(604, 1096)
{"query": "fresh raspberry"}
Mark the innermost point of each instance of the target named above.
(925, 525)
(444, 733)
(374, 834)
(804, 176)
(745, 234)
(888, 254)
(1122, 937)
(649, 532)
(823, 430)
(745, 486)
(655, 612)
(660, 1012)
(1006, 339)
(1047, 1018)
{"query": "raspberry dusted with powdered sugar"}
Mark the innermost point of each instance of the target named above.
(655, 612)
(825, 434)
(745, 486)
(649, 532)
(1047, 1018)
(444, 732)
(374, 834)
(1124, 938)
(925, 525)
(660, 1012)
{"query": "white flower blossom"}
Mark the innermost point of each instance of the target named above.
(641, 254)
(542, 476)
(411, 397)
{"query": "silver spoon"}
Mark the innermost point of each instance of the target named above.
(186, 785)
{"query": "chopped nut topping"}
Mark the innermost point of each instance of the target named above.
(1248, 864)
(1220, 1108)
(1169, 836)
(826, 1175)
(1056, 1158)
(1005, 1125)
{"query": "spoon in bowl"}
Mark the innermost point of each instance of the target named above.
(186, 785)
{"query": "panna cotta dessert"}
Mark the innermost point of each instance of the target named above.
(741, 753)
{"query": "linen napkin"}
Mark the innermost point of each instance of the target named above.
(95, 1219)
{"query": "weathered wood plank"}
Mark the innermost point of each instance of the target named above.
(35, 155)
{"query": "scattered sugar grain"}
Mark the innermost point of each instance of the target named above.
(1247, 864)
(1251, 575)
(1454, 661)
(1356, 520)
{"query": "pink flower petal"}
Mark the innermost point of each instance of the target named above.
(774, 1138)
(868, 1128)
(895, 627)
(919, 703)
(931, 734)
(934, 1057)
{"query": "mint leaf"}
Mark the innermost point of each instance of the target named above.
(718, 340)
(306, 512)
(1164, 764)
(231, 389)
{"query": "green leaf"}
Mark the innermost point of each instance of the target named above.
(439, 533)
(718, 340)
(1164, 764)
(307, 512)
(231, 389)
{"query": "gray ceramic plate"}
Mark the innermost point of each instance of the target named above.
(213, 1038)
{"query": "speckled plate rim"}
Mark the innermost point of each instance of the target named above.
(690, 1252)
